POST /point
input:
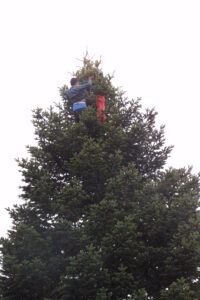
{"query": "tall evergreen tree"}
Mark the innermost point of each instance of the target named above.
(101, 218)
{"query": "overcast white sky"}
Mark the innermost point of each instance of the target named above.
(153, 47)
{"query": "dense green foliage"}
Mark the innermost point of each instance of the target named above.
(101, 218)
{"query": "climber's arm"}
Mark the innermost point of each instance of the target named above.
(84, 86)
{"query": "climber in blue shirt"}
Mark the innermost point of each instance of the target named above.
(75, 95)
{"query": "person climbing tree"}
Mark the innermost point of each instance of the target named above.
(75, 95)
(100, 103)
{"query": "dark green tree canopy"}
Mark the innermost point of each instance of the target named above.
(101, 218)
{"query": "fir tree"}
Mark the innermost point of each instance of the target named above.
(101, 218)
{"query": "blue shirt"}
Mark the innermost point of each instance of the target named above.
(79, 105)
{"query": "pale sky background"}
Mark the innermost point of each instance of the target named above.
(152, 45)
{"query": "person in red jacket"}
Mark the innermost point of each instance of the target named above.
(100, 103)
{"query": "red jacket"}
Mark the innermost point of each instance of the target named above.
(100, 103)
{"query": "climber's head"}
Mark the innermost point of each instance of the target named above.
(74, 81)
